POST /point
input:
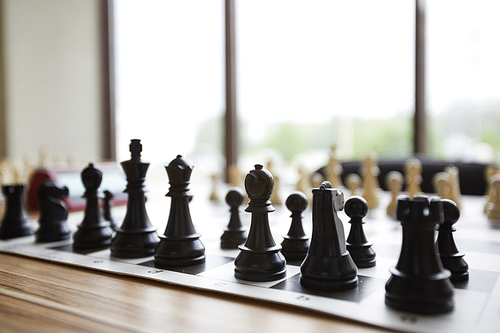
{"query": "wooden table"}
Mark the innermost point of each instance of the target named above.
(40, 296)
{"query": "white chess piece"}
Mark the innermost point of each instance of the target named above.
(334, 169)
(370, 172)
(454, 184)
(353, 182)
(394, 181)
(494, 206)
(441, 184)
(413, 170)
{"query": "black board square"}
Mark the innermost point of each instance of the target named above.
(69, 248)
(211, 262)
(479, 280)
(367, 286)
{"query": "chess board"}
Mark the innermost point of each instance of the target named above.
(477, 301)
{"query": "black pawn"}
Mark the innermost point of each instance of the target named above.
(234, 234)
(108, 197)
(419, 283)
(451, 257)
(295, 244)
(15, 222)
(93, 232)
(358, 246)
(53, 213)
(180, 245)
(260, 258)
(136, 238)
(328, 265)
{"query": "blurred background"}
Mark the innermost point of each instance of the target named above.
(79, 79)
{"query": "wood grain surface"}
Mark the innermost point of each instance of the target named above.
(39, 296)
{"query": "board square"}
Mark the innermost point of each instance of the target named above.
(211, 262)
(367, 285)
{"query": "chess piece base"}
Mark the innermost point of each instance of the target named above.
(412, 294)
(363, 256)
(294, 249)
(231, 239)
(457, 266)
(14, 229)
(134, 244)
(52, 233)
(329, 273)
(262, 266)
(172, 252)
(92, 237)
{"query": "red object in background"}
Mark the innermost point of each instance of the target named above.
(113, 180)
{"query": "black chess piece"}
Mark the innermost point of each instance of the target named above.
(451, 257)
(419, 283)
(234, 234)
(108, 197)
(296, 244)
(93, 232)
(180, 245)
(136, 238)
(15, 222)
(328, 265)
(260, 258)
(358, 246)
(53, 213)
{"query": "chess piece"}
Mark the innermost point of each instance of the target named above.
(180, 245)
(488, 174)
(260, 258)
(275, 197)
(358, 246)
(370, 172)
(234, 175)
(441, 184)
(334, 169)
(454, 184)
(317, 179)
(296, 244)
(214, 196)
(53, 213)
(413, 170)
(93, 232)
(493, 211)
(108, 197)
(451, 257)
(304, 184)
(328, 265)
(234, 234)
(353, 182)
(419, 283)
(394, 181)
(15, 222)
(136, 237)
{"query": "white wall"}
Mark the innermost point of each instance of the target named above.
(53, 84)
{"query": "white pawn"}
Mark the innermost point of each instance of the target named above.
(489, 174)
(454, 184)
(353, 182)
(441, 184)
(494, 205)
(370, 172)
(214, 196)
(275, 196)
(304, 184)
(334, 169)
(234, 175)
(317, 179)
(413, 170)
(394, 181)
